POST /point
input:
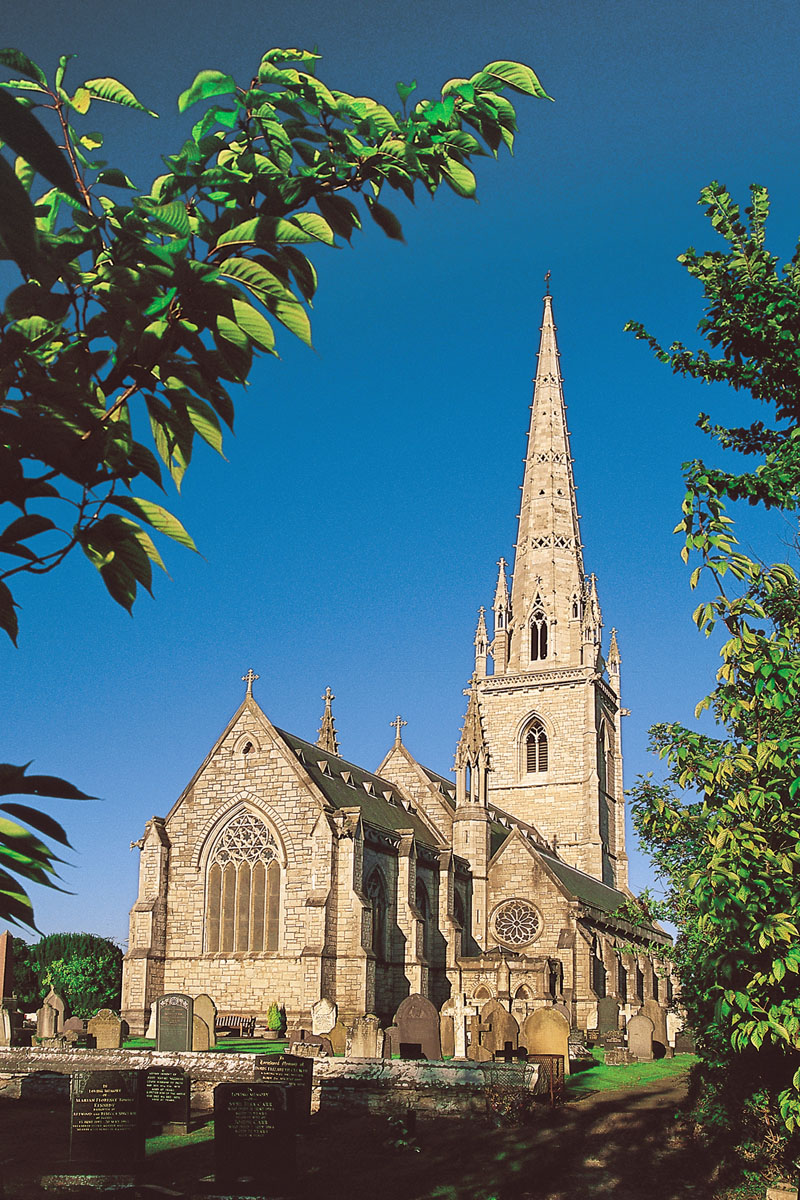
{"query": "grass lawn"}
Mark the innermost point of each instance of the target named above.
(228, 1045)
(598, 1077)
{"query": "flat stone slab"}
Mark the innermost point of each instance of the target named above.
(88, 1183)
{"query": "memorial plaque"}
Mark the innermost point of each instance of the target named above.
(293, 1073)
(167, 1097)
(106, 1128)
(254, 1136)
(174, 1022)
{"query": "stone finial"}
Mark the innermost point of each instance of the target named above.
(250, 679)
(326, 735)
(614, 659)
(398, 724)
(501, 591)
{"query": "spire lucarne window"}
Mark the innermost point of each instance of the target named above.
(243, 888)
(538, 635)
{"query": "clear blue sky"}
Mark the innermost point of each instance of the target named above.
(373, 483)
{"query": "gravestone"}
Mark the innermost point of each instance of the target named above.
(591, 1019)
(476, 1051)
(323, 1016)
(658, 1015)
(106, 1028)
(607, 1015)
(366, 1036)
(337, 1035)
(167, 1096)
(6, 967)
(55, 1001)
(5, 1026)
(684, 1042)
(150, 1032)
(254, 1137)
(106, 1125)
(447, 1030)
(418, 1023)
(75, 1025)
(674, 1026)
(46, 1021)
(201, 1034)
(310, 1045)
(391, 1042)
(174, 1013)
(501, 1027)
(563, 1008)
(206, 1010)
(640, 1037)
(293, 1073)
(546, 1031)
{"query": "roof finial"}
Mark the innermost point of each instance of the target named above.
(326, 737)
(250, 679)
(398, 724)
(547, 284)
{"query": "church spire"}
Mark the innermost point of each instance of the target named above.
(326, 738)
(502, 618)
(481, 644)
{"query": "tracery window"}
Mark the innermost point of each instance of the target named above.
(517, 923)
(376, 892)
(536, 748)
(243, 888)
(538, 635)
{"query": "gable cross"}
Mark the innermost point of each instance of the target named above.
(398, 724)
(250, 679)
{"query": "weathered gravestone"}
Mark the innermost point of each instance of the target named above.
(418, 1023)
(5, 1026)
(476, 1051)
(546, 1031)
(167, 1095)
(254, 1137)
(206, 1010)
(658, 1015)
(640, 1037)
(338, 1038)
(447, 1029)
(607, 1015)
(500, 1027)
(455, 1014)
(107, 1030)
(293, 1073)
(391, 1042)
(174, 1019)
(684, 1042)
(75, 1025)
(323, 1016)
(106, 1126)
(201, 1034)
(6, 967)
(150, 1032)
(674, 1026)
(310, 1045)
(365, 1037)
(46, 1021)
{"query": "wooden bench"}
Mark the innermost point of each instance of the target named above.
(235, 1023)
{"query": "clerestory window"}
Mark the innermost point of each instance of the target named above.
(243, 888)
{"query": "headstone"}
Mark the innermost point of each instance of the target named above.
(447, 1030)
(563, 1008)
(295, 1074)
(613, 1040)
(254, 1137)
(174, 1013)
(476, 1051)
(201, 1034)
(658, 1015)
(323, 1016)
(106, 1127)
(547, 1032)
(5, 1026)
(75, 1025)
(591, 1019)
(46, 1021)
(501, 1028)
(150, 1032)
(366, 1036)
(684, 1042)
(337, 1035)
(391, 1042)
(418, 1022)
(607, 1015)
(106, 1028)
(167, 1092)
(310, 1045)
(674, 1026)
(206, 1010)
(640, 1037)
(55, 1001)
(6, 967)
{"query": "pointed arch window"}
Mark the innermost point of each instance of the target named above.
(243, 888)
(538, 635)
(536, 747)
(376, 893)
(424, 906)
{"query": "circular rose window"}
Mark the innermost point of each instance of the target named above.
(517, 923)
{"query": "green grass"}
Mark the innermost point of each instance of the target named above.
(162, 1142)
(227, 1045)
(600, 1078)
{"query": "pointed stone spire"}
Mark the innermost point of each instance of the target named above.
(548, 567)
(481, 644)
(614, 661)
(326, 737)
(502, 619)
(471, 754)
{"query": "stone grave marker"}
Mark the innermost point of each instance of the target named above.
(295, 1074)
(607, 1015)
(75, 1025)
(391, 1042)
(106, 1028)
(365, 1037)
(206, 1010)
(310, 1045)
(55, 1001)
(337, 1035)
(201, 1034)
(167, 1098)
(447, 1029)
(640, 1037)
(150, 1032)
(658, 1015)
(684, 1042)
(174, 1013)
(254, 1138)
(501, 1027)
(323, 1016)
(5, 1026)
(46, 1021)
(106, 1123)
(674, 1026)
(6, 967)
(476, 1051)
(418, 1023)
(546, 1031)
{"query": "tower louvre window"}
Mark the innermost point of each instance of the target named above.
(536, 748)
(538, 635)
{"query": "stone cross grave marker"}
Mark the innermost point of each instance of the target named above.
(106, 1028)
(501, 1028)
(206, 1010)
(106, 1120)
(293, 1073)
(476, 1051)
(254, 1137)
(418, 1023)
(323, 1016)
(546, 1031)
(640, 1037)
(174, 1014)
(365, 1037)
(607, 1015)
(167, 1094)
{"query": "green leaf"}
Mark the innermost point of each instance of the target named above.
(515, 74)
(205, 84)
(460, 178)
(158, 517)
(404, 90)
(386, 219)
(257, 327)
(255, 277)
(115, 92)
(38, 820)
(112, 177)
(15, 782)
(17, 220)
(8, 616)
(20, 130)
(15, 60)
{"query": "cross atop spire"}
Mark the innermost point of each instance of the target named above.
(547, 284)
(250, 679)
(398, 724)
(326, 736)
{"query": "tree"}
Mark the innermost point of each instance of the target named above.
(84, 969)
(138, 314)
(724, 826)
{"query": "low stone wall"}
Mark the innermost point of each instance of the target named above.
(376, 1085)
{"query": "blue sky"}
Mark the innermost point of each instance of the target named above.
(373, 483)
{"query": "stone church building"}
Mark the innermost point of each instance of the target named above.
(284, 872)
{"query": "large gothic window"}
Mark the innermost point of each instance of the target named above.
(538, 635)
(536, 748)
(376, 892)
(243, 888)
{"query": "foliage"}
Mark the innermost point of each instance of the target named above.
(509, 1104)
(140, 312)
(83, 968)
(730, 850)
(274, 1018)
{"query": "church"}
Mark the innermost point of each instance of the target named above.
(284, 872)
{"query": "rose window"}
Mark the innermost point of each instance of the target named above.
(517, 923)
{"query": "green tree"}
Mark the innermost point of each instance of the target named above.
(84, 969)
(724, 827)
(136, 315)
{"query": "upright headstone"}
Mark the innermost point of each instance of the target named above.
(295, 1074)
(447, 1030)
(501, 1028)
(418, 1023)
(206, 1010)
(106, 1127)
(323, 1016)
(658, 1015)
(254, 1138)
(607, 1015)
(674, 1026)
(476, 1051)
(338, 1037)
(5, 1026)
(365, 1037)
(640, 1037)
(546, 1031)
(106, 1028)
(46, 1021)
(684, 1042)
(6, 967)
(167, 1093)
(75, 1025)
(174, 1013)
(201, 1034)
(150, 1032)
(391, 1042)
